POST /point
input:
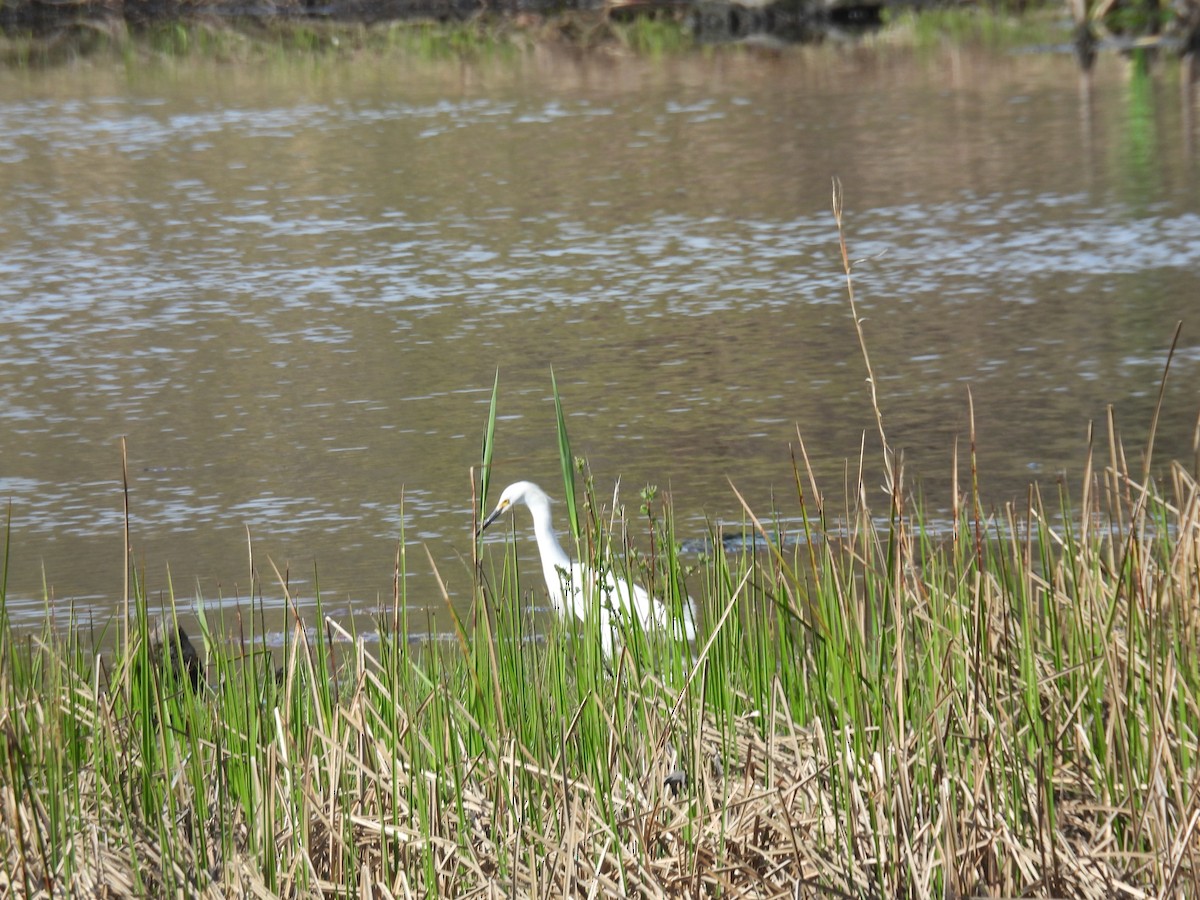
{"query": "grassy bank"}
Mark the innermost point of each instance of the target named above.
(202, 37)
(1007, 707)
(206, 32)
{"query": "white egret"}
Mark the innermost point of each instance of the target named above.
(573, 586)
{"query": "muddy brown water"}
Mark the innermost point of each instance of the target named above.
(290, 286)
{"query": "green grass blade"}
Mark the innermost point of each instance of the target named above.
(566, 460)
(489, 446)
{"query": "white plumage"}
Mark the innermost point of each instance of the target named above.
(573, 586)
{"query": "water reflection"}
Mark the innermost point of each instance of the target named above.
(291, 294)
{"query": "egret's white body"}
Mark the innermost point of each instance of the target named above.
(573, 586)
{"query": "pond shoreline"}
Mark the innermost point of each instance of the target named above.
(33, 33)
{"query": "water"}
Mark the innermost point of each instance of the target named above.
(289, 287)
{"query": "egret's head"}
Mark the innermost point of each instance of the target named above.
(517, 492)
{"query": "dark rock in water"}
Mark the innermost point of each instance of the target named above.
(172, 646)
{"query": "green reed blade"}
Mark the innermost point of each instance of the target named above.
(489, 446)
(566, 460)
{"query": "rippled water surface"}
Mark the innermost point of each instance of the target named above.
(290, 289)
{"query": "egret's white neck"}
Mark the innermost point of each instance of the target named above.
(552, 553)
